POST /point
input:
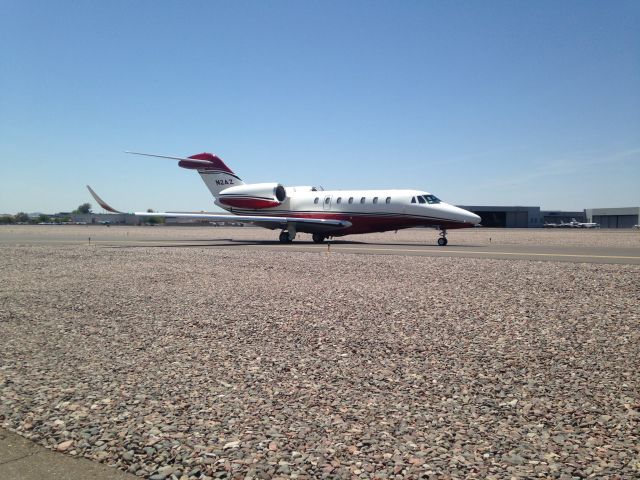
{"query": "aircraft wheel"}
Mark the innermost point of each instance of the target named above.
(317, 238)
(442, 241)
(284, 237)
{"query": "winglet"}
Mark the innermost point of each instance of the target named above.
(101, 202)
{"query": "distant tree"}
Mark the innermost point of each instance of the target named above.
(21, 217)
(44, 218)
(84, 208)
(4, 219)
(154, 220)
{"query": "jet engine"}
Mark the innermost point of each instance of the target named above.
(253, 196)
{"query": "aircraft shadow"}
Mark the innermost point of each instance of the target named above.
(175, 245)
(425, 245)
(228, 242)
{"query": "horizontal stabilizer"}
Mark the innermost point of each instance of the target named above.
(186, 159)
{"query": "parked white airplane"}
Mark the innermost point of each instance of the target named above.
(576, 224)
(323, 213)
(584, 224)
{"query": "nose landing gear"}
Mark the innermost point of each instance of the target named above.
(442, 241)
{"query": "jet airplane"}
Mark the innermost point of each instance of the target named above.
(307, 209)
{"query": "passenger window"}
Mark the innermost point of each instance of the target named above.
(327, 200)
(388, 200)
(421, 199)
(350, 199)
(316, 200)
(375, 199)
(339, 200)
(413, 199)
(362, 200)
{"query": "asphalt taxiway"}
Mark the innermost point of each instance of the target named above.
(22, 459)
(504, 252)
(461, 244)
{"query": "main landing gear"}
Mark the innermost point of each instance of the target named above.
(287, 237)
(288, 233)
(318, 238)
(442, 241)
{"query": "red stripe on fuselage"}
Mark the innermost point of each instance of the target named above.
(252, 203)
(370, 222)
(383, 223)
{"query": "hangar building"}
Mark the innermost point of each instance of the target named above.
(557, 217)
(507, 217)
(625, 217)
(115, 218)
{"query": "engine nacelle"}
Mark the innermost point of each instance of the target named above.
(253, 196)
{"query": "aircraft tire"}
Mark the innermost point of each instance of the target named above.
(284, 237)
(442, 241)
(317, 238)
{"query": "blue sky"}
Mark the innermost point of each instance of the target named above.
(481, 103)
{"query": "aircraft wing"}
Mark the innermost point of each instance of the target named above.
(277, 222)
(267, 221)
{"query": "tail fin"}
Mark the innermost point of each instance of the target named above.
(215, 174)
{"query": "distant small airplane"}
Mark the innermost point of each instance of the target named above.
(588, 225)
(572, 224)
(307, 209)
(576, 224)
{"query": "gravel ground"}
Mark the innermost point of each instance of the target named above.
(233, 363)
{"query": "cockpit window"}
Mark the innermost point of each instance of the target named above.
(413, 199)
(421, 199)
(432, 199)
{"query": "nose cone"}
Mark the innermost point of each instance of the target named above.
(458, 214)
(473, 218)
(466, 216)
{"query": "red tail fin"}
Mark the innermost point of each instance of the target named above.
(205, 161)
(216, 175)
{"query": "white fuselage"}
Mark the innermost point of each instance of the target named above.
(366, 210)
